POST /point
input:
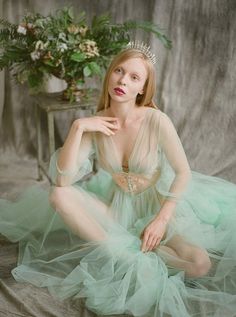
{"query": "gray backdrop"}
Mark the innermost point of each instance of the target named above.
(195, 87)
(196, 79)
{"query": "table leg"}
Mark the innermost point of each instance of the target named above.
(51, 133)
(39, 142)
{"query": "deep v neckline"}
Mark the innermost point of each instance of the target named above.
(133, 148)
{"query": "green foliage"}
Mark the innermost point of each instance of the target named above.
(151, 28)
(34, 79)
(63, 44)
(78, 57)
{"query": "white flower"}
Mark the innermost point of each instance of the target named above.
(39, 45)
(83, 30)
(62, 47)
(90, 48)
(62, 36)
(30, 25)
(35, 55)
(21, 29)
(73, 29)
(46, 44)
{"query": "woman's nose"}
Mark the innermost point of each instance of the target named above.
(122, 80)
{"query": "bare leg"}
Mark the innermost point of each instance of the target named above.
(177, 253)
(71, 205)
(180, 254)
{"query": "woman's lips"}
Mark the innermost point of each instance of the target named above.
(119, 91)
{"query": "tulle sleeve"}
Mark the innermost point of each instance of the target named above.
(175, 170)
(84, 166)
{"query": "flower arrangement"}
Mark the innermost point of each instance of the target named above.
(64, 45)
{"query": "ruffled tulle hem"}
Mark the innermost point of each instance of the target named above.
(113, 275)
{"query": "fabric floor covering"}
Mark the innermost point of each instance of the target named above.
(22, 299)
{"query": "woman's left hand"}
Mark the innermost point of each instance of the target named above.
(152, 234)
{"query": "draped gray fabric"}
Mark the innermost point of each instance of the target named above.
(196, 79)
(195, 87)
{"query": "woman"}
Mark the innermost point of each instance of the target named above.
(145, 235)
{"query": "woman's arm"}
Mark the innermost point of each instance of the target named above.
(174, 152)
(75, 147)
(78, 145)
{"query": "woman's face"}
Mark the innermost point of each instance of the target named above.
(127, 80)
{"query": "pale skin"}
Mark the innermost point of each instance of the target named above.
(123, 118)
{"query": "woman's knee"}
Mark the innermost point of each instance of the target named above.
(57, 197)
(201, 263)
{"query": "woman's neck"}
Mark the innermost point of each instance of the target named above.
(123, 111)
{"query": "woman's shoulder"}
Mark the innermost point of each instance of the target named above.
(159, 114)
(156, 113)
(100, 112)
(161, 120)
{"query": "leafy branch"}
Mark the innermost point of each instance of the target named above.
(63, 44)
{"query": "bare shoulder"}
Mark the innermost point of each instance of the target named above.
(100, 113)
(163, 121)
(156, 113)
(161, 115)
(166, 124)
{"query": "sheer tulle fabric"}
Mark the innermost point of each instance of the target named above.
(112, 274)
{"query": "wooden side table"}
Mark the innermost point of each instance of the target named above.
(51, 103)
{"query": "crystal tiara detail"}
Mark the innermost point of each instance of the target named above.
(140, 46)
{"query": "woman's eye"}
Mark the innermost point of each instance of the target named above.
(134, 77)
(118, 70)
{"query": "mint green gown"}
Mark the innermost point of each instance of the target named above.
(112, 274)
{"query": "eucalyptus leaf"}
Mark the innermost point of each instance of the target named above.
(48, 62)
(95, 68)
(80, 82)
(71, 13)
(78, 57)
(87, 71)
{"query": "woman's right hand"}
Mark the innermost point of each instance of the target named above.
(106, 125)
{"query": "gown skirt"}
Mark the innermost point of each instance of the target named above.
(112, 274)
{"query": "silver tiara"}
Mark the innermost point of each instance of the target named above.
(140, 46)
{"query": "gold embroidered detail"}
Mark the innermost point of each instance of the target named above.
(135, 183)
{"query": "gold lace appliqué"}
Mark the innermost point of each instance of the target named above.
(135, 183)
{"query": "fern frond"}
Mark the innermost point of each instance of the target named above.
(100, 22)
(7, 24)
(149, 27)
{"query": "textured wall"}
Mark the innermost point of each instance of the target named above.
(197, 83)
(196, 79)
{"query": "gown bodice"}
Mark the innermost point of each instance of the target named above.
(156, 158)
(142, 171)
(134, 183)
(143, 158)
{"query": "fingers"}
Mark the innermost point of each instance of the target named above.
(106, 125)
(114, 125)
(106, 131)
(156, 243)
(144, 243)
(110, 121)
(149, 242)
(109, 125)
(108, 118)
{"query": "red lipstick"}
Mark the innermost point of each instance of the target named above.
(119, 91)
